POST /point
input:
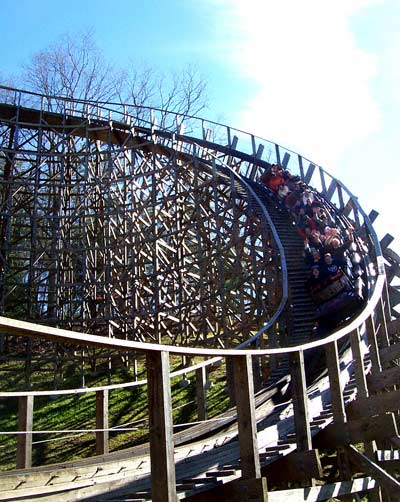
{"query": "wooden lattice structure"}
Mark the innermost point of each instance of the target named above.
(107, 229)
(137, 233)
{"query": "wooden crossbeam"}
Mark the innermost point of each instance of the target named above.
(323, 493)
(386, 378)
(394, 295)
(374, 405)
(386, 241)
(309, 173)
(296, 466)
(239, 489)
(357, 431)
(394, 327)
(390, 353)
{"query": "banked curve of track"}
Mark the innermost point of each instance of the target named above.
(199, 458)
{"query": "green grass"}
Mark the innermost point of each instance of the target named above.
(127, 407)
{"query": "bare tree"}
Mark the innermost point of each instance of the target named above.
(182, 92)
(74, 67)
(7, 95)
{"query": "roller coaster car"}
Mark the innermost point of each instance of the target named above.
(337, 299)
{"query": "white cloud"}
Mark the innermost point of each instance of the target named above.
(324, 77)
(313, 82)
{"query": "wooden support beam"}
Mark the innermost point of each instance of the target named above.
(245, 489)
(394, 327)
(309, 173)
(373, 345)
(357, 431)
(230, 381)
(238, 490)
(24, 441)
(340, 197)
(201, 393)
(245, 404)
(296, 466)
(348, 208)
(375, 405)
(388, 354)
(373, 215)
(394, 295)
(322, 177)
(102, 446)
(388, 482)
(277, 153)
(392, 268)
(331, 190)
(300, 401)
(332, 361)
(260, 150)
(383, 338)
(361, 381)
(285, 160)
(301, 167)
(386, 378)
(163, 486)
(386, 241)
(362, 391)
(323, 493)
(257, 374)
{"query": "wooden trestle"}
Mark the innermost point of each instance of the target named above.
(123, 237)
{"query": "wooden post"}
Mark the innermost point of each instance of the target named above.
(245, 404)
(332, 361)
(201, 393)
(300, 401)
(361, 381)
(300, 409)
(230, 381)
(257, 373)
(382, 327)
(102, 446)
(273, 343)
(24, 441)
(163, 484)
(373, 343)
(362, 392)
(338, 409)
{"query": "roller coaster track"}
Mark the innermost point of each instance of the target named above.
(67, 168)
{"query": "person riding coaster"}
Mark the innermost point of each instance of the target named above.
(335, 297)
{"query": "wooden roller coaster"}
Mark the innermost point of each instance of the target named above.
(131, 233)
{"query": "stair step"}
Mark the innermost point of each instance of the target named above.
(221, 473)
(270, 456)
(276, 447)
(203, 480)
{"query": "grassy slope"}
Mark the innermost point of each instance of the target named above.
(127, 408)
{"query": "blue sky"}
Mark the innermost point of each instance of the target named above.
(319, 77)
